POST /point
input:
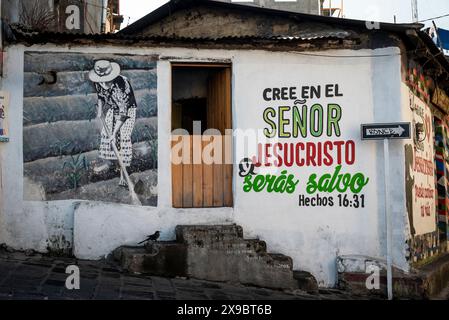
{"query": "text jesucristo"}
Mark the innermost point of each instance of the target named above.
(302, 121)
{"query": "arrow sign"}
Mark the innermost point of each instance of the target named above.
(381, 131)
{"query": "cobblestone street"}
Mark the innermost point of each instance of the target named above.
(39, 277)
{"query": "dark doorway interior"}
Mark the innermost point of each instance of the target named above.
(192, 95)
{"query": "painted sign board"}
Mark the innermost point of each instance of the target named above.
(420, 167)
(380, 131)
(4, 101)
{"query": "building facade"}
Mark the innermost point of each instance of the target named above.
(302, 6)
(280, 105)
(91, 17)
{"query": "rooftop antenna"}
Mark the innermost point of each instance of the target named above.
(415, 18)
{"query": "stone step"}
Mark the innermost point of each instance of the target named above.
(205, 235)
(258, 245)
(77, 83)
(280, 260)
(59, 62)
(421, 283)
(54, 174)
(73, 137)
(170, 260)
(218, 253)
(306, 281)
(79, 107)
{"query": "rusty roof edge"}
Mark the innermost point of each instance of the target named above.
(22, 33)
(434, 50)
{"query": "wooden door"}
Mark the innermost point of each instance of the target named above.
(198, 184)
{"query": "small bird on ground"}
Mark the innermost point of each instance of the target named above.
(153, 237)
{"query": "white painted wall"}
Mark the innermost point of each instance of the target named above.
(313, 237)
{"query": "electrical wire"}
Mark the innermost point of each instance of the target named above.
(359, 56)
(348, 56)
(439, 17)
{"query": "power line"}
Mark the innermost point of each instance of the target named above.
(357, 56)
(439, 17)
(348, 56)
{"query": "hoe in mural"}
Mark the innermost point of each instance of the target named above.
(115, 91)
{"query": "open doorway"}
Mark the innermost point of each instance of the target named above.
(202, 93)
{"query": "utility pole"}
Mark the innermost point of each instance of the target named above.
(415, 18)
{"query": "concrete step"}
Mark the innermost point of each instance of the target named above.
(258, 245)
(73, 137)
(425, 282)
(220, 253)
(280, 260)
(199, 235)
(306, 281)
(79, 107)
(168, 259)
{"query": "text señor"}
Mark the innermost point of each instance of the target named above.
(302, 121)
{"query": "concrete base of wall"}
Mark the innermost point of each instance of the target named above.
(424, 283)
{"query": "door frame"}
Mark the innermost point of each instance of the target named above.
(207, 65)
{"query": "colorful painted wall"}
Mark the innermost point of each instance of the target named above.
(424, 166)
(67, 148)
(442, 171)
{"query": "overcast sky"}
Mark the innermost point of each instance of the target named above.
(377, 10)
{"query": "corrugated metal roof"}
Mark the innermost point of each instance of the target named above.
(21, 33)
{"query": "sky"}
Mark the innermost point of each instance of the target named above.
(373, 10)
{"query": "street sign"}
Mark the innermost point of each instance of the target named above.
(385, 132)
(380, 131)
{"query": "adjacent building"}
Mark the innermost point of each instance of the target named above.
(93, 16)
(300, 6)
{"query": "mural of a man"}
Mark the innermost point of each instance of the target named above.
(117, 103)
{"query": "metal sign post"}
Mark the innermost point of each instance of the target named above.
(388, 221)
(385, 132)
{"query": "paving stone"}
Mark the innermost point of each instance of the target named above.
(81, 294)
(107, 293)
(6, 290)
(39, 264)
(137, 295)
(38, 278)
(59, 270)
(50, 290)
(217, 296)
(113, 275)
(144, 284)
(56, 283)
